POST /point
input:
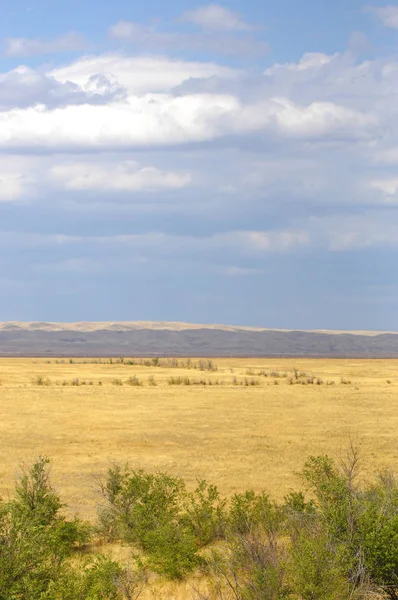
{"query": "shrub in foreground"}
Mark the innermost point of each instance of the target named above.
(35, 539)
(341, 544)
(146, 510)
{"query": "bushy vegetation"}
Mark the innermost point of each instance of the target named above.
(253, 377)
(191, 381)
(165, 363)
(40, 380)
(336, 540)
(35, 539)
(339, 543)
(155, 513)
(134, 381)
(39, 549)
(246, 381)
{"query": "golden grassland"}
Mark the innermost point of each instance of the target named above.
(235, 435)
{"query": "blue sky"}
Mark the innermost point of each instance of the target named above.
(218, 163)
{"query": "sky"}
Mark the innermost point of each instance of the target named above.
(227, 163)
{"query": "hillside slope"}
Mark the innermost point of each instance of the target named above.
(184, 339)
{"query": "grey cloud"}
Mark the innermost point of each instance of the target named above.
(242, 180)
(14, 47)
(341, 78)
(359, 43)
(388, 15)
(152, 39)
(302, 200)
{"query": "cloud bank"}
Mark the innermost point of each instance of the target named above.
(120, 165)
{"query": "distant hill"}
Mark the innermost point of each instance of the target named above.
(185, 339)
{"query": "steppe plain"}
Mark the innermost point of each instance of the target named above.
(253, 427)
(249, 423)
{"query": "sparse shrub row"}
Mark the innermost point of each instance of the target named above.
(166, 363)
(190, 381)
(40, 380)
(175, 363)
(135, 381)
(246, 381)
(312, 380)
(76, 382)
(209, 382)
(296, 377)
(264, 373)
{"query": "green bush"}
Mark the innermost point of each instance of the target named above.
(172, 550)
(361, 523)
(98, 581)
(146, 510)
(35, 539)
(206, 514)
(251, 567)
(249, 511)
(316, 567)
(98, 578)
(342, 544)
(139, 502)
(376, 531)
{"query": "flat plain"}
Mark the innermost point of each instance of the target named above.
(252, 427)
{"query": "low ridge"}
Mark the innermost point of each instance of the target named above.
(157, 338)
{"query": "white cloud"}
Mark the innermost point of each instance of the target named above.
(387, 156)
(138, 74)
(325, 122)
(216, 17)
(335, 233)
(197, 167)
(127, 176)
(317, 118)
(162, 119)
(242, 243)
(388, 187)
(339, 78)
(125, 30)
(139, 122)
(388, 15)
(309, 61)
(24, 86)
(11, 187)
(343, 232)
(279, 241)
(260, 243)
(117, 102)
(219, 30)
(28, 47)
(17, 178)
(25, 177)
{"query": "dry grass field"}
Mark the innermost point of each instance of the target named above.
(252, 428)
(235, 435)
